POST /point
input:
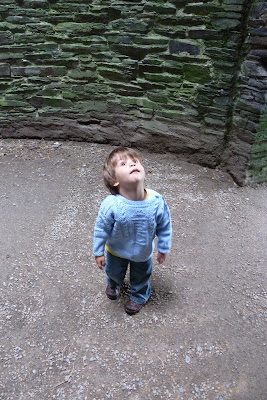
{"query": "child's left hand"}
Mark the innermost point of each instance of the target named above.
(101, 261)
(161, 257)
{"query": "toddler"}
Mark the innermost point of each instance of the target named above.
(127, 223)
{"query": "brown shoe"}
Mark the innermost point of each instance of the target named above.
(112, 293)
(131, 307)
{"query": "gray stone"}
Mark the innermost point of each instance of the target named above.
(4, 70)
(176, 47)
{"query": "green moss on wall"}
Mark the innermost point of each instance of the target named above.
(178, 62)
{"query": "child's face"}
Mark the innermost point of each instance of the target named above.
(128, 171)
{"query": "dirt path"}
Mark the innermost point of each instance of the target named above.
(203, 333)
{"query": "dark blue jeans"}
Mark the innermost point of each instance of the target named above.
(140, 273)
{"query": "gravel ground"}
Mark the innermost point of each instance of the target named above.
(202, 334)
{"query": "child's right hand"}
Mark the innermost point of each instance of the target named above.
(161, 257)
(101, 261)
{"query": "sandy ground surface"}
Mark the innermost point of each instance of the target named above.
(202, 335)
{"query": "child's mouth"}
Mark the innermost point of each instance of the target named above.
(134, 170)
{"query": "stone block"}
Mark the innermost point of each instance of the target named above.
(197, 73)
(143, 113)
(126, 89)
(162, 78)
(125, 39)
(49, 92)
(258, 149)
(176, 47)
(25, 71)
(13, 103)
(128, 100)
(165, 8)
(215, 122)
(173, 67)
(6, 37)
(137, 52)
(156, 126)
(28, 37)
(53, 70)
(150, 40)
(204, 100)
(258, 32)
(131, 25)
(21, 19)
(89, 16)
(223, 54)
(5, 70)
(74, 28)
(234, 7)
(249, 106)
(158, 96)
(43, 4)
(148, 85)
(206, 34)
(46, 101)
(114, 74)
(185, 20)
(245, 135)
(85, 106)
(233, 2)
(259, 41)
(231, 15)
(220, 64)
(48, 47)
(171, 31)
(151, 59)
(148, 104)
(13, 28)
(149, 67)
(222, 100)
(70, 95)
(82, 75)
(74, 48)
(185, 58)
(201, 8)
(39, 71)
(226, 24)
(171, 115)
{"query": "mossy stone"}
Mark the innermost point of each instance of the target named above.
(197, 73)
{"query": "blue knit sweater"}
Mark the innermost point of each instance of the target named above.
(129, 227)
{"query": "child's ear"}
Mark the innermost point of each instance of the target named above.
(116, 184)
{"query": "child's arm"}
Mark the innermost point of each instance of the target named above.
(103, 228)
(164, 232)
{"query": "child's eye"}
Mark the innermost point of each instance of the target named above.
(122, 163)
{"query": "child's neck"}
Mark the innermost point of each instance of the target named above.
(134, 194)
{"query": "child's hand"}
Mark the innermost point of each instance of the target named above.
(161, 257)
(101, 261)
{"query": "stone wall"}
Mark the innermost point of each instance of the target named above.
(246, 142)
(181, 76)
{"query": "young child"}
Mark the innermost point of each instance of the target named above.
(127, 223)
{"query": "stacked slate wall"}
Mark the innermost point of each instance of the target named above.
(246, 150)
(167, 75)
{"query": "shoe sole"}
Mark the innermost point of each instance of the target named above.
(112, 297)
(131, 312)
